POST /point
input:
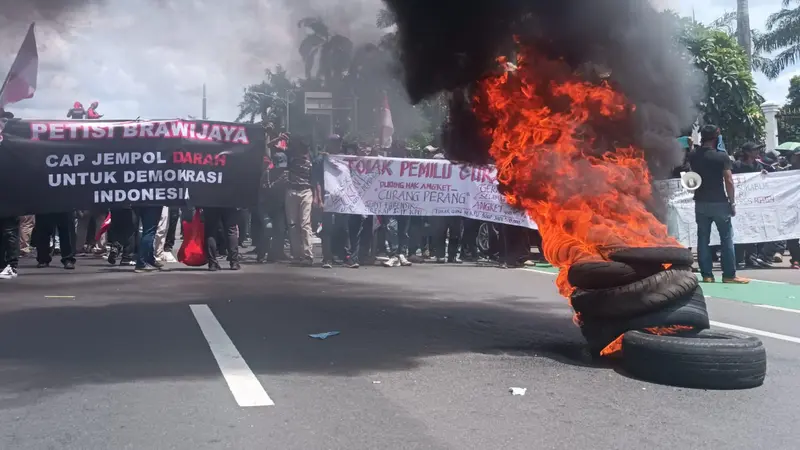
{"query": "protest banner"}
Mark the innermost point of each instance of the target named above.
(56, 166)
(416, 187)
(768, 206)
(767, 209)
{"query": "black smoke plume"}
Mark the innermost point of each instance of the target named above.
(447, 45)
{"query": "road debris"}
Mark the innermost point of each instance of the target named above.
(324, 335)
(517, 390)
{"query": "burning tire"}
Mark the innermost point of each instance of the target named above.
(643, 296)
(707, 359)
(681, 257)
(690, 311)
(608, 274)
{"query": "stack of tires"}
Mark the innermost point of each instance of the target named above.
(645, 288)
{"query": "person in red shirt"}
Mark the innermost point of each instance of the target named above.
(92, 112)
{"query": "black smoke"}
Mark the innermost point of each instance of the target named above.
(447, 45)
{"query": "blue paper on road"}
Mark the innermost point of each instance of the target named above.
(324, 335)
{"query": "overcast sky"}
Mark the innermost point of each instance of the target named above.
(151, 62)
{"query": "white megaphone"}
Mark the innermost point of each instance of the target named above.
(691, 180)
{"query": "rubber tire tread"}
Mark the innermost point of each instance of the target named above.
(608, 274)
(647, 295)
(636, 256)
(709, 359)
(688, 311)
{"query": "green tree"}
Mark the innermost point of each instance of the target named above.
(783, 36)
(731, 99)
(789, 118)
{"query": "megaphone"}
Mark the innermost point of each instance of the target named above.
(691, 180)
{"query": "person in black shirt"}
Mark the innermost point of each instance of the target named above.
(77, 112)
(714, 203)
(299, 198)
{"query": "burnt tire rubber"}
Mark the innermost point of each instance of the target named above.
(689, 310)
(681, 257)
(643, 296)
(608, 274)
(708, 359)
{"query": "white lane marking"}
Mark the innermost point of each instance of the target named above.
(538, 271)
(779, 308)
(698, 275)
(768, 334)
(782, 337)
(769, 282)
(241, 380)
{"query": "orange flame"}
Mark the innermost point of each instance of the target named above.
(586, 194)
(615, 347)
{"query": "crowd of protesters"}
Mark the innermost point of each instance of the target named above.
(288, 217)
(715, 204)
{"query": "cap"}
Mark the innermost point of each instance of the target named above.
(750, 146)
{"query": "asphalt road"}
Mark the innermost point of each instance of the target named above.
(102, 358)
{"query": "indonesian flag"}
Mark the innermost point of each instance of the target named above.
(387, 126)
(20, 82)
(103, 228)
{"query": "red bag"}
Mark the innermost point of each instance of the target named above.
(192, 251)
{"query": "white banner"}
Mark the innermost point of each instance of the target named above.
(767, 206)
(767, 209)
(416, 187)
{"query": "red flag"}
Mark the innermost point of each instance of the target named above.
(20, 82)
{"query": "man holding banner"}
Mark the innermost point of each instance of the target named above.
(19, 84)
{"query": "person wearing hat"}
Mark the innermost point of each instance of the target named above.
(714, 204)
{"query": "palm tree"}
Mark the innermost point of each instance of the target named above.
(743, 35)
(783, 34)
(729, 23)
(329, 54)
(386, 19)
(265, 100)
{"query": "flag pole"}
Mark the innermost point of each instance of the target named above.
(8, 75)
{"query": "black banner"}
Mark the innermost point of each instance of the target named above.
(58, 166)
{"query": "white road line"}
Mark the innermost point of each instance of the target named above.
(779, 308)
(769, 282)
(241, 380)
(768, 334)
(538, 271)
(556, 273)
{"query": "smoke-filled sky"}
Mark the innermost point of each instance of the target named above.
(150, 58)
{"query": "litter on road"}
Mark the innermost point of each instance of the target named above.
(324, 335)
(517, 390)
